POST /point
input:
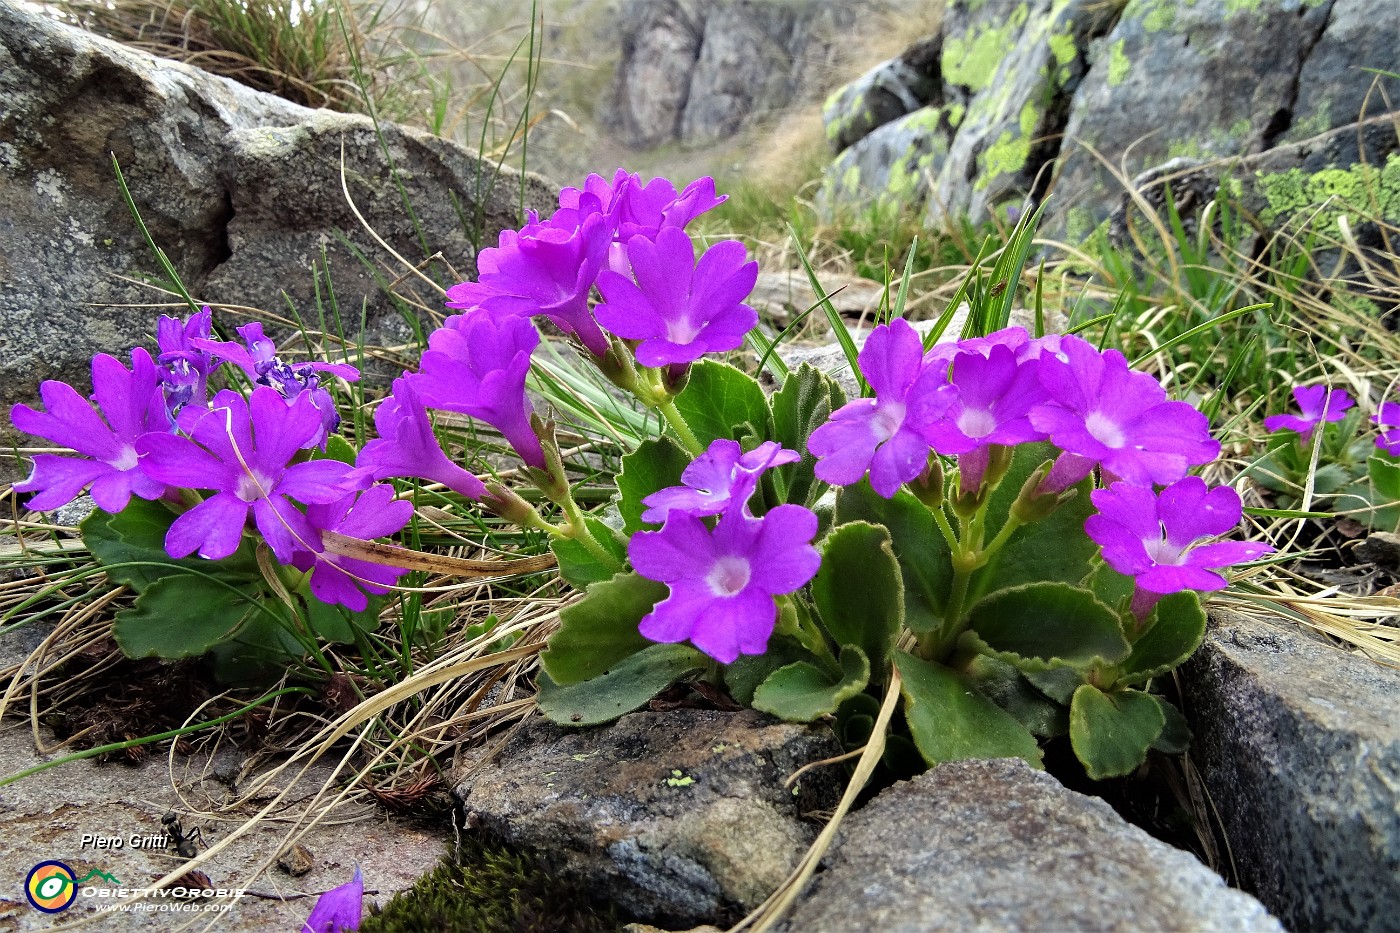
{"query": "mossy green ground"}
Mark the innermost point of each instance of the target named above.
(484, 887)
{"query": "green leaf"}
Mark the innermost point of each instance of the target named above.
(627, 686)
(1111, 732)
(1177, 626)
(337, 448)
(1176, 734)
(1043, 625)
(1008, 688)
(655, 464)
(804, 403)
(1385, 475)
(803, 692)
(579, 566)
(181, 617)
(743, 676)
(131, 546)
(1057, 683)
(718, 398)
(859, 592)
(951, 721)
(1055, 548)
(337, 624)
(920, 548)
(1113, 589)
(599, 631)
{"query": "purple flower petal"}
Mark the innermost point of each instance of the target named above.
(214, 528)
(338, 909)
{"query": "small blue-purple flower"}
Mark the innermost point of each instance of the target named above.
(476, 365)
(257, 357)
(679, 309)
(242, 450)
(720, 477)
(723, 582)
(185, 367)
(131, 407)
(339, 909)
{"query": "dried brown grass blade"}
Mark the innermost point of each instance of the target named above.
(372, 553)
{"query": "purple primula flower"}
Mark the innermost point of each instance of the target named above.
(1160, 540)
(987, 402)
(339, 909)
(546, 268)
(873, 434)
(1100, 411)
(1387, 419)
(721, 476)
(133, 407)
(633, 208)
(476, 365)
(242, 449)
(723, 582)
(336, 579)
(1318, 404)
(257, 358)
(184, 367)
(407, 446)
(678, 308)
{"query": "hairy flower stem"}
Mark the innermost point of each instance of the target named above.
(577, 529)
(678, 424)
(800, 624)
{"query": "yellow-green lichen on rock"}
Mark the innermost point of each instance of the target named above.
(1323, 196)
(1118, 63)
(972, 58)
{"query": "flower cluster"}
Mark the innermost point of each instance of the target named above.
(229, 464)
(723, 579)
(977, 398)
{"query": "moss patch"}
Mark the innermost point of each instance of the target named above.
(486, 888)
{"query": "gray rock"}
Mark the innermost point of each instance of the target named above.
(242, 191)
(1207, 80)
(995, 845)
(1096, 93)
(1299, 747)
(1010, 127)
(45, 816)
(884, 93)
(778, 296)
(695, 72)
(678, 817)
(895, 165)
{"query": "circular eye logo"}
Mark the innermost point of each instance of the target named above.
(50, 887)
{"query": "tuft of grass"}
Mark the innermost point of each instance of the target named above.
(485, 887)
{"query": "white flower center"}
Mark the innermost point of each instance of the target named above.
(252, 487)
(888, 419)
(1164, 554)
(729, 576)
(1104, 430)
(125, 460)
(977, 422)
